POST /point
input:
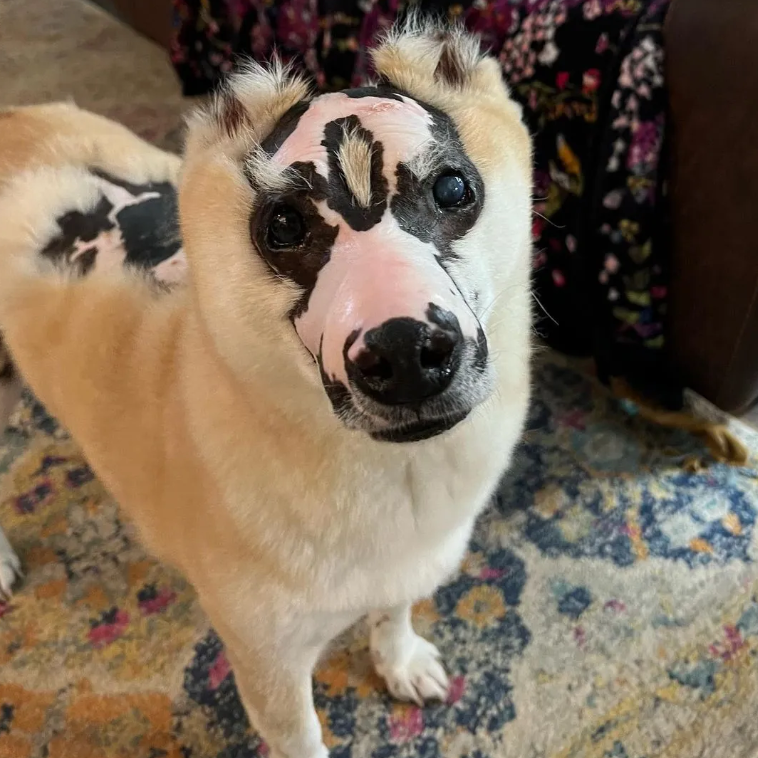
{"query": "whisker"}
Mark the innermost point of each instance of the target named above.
(544, 310)
(547, 220)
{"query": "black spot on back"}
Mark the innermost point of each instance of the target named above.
(149, 228)
(76, 225)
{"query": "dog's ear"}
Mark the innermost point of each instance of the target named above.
(430, 61)
(248, 106)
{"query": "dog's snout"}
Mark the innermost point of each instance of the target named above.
(404, 361)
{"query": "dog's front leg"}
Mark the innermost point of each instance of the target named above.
(276, 689)
(408, 663)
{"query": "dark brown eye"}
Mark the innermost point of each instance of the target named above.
(286, 228)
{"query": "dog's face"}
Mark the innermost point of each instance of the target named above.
(365, 211)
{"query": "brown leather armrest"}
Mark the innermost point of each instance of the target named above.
(149, 17)
(712, 75)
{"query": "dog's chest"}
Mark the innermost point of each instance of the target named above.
(408, 525)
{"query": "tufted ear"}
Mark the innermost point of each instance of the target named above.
(430, 60)
(248, 106)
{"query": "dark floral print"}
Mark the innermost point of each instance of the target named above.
(589, 74)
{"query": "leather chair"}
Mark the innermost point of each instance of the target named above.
(712, 76)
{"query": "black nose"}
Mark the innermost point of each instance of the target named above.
(405, 361)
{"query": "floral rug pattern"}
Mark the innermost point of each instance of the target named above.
(608, 608)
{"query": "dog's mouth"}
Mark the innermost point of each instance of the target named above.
(421, 430)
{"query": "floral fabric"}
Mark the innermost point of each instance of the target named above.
(589, 74)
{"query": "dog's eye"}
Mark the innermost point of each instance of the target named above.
(451, 191)
(286, 228)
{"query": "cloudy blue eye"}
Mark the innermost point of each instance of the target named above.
(451, 190)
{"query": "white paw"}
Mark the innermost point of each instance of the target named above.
(320, 752)
(10, 569)
(416, 675)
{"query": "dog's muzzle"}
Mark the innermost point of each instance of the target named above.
(414, 379)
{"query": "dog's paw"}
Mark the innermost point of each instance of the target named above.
(415, 673)
(320, 752)
(10, 569)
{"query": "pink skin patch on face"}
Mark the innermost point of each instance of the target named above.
(372, 277)
(402, 126)
(375, 275)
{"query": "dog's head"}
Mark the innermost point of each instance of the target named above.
(372, 227)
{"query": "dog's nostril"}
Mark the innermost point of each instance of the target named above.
(405, 362)
(437, 351)
(373, 366)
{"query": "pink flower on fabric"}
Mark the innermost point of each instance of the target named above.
(591, 80)
(111, 627)
(592, 9)
(156, 601)
(218, 671)
(491, 573)
(562, 79)
(611, 263)
(457, 688)
(615, 605)
(558, 278)
(406, 723)
(538, 225)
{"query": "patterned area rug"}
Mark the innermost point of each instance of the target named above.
(607, 609)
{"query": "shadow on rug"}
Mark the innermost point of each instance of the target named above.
(607, 609)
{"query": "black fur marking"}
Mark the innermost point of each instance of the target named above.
(302, 263)
(413, 205)
(149, 227)
(420, 431)
(284, 127)
(341, 199)
(338, 394)
(231, 114)
(384, 90)
(450, 67)
(445, 320)
(481, 352)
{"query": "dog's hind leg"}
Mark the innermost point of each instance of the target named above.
(409, 664)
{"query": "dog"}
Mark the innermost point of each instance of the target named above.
(308, 421)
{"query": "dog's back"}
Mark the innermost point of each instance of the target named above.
(134, 223)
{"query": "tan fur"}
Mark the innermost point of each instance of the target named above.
(190, 409)
(355, 161)
(60, 134)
